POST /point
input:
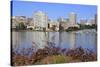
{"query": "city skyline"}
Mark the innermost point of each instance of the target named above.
(54, 11)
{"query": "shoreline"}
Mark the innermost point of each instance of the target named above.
(50, 31)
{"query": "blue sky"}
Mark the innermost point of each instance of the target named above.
(53, 10)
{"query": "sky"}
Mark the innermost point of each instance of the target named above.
(53, 10)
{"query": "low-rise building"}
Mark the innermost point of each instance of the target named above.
(14, 22)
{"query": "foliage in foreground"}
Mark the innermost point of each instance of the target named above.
(52, 55)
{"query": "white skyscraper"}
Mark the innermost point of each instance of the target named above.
(72, 18)
(40, 20)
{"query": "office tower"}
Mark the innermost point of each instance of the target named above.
(72, 18)
(40, 20)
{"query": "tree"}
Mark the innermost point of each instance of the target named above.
(21, 26)
(72, 28)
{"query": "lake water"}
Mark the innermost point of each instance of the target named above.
(70, 40)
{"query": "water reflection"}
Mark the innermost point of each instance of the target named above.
(68, 40)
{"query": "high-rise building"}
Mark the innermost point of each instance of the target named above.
(83, 21)
(40, 20)
(95, 18)
(61, 19)
(72, 18)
